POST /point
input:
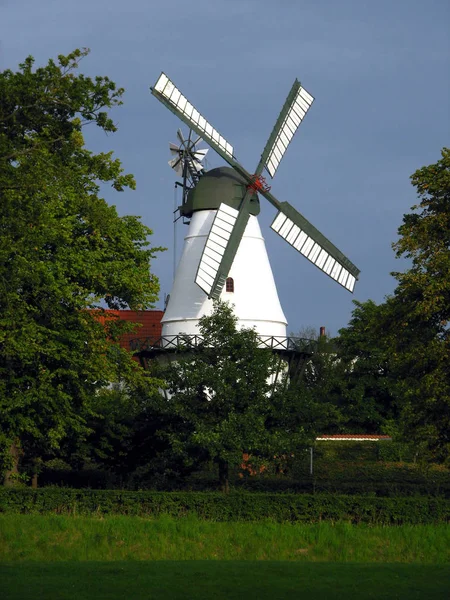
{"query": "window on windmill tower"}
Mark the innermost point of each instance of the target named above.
(229, 284)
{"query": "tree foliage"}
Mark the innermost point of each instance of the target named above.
(419, 313)
(226, 397)
(366, 402)
(63, 250)
(346, 379)
(425, 239)
(400, 350)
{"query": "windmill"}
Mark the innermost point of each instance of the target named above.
(222, 206)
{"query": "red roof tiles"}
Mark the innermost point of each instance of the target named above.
(150, 321)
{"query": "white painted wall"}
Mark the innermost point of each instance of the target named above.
(255, 298)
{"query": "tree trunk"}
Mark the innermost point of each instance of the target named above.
(12, 475)
(223, 476)
(34, 481)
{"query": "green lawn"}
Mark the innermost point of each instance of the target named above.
(118, 538)
(54, 557)
(227, 580)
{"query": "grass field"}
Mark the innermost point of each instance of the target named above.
(119, 538)
(221, 580)
(58, 557)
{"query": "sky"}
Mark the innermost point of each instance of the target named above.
(380, 75)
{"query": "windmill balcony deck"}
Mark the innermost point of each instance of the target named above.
(184, 343)
(293, 353)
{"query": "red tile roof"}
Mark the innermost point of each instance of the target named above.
(150, 321)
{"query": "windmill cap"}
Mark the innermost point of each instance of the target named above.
(223, 184)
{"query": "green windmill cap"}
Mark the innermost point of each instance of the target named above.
(219, 185)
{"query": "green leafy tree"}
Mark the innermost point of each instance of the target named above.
(419, 332)
(345, 377)
(116, 445)
(365, 400)
(224, 396)
(63, 251)
(397, 354)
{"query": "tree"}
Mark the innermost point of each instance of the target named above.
(225, 397)
(420, 313)
(400, 350)
(345, 378)
(63, 251)
(365, 388)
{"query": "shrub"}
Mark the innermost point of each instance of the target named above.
(232, 507)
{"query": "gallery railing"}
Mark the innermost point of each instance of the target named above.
(183, 343)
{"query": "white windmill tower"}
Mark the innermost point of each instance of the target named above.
(224, 254)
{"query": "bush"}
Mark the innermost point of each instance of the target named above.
(349, 486)
(384, 450)
(233, 507)
(330, 476)
(83, 478)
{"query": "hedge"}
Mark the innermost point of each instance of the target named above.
(343, 487)
(338, 477)
(232, 507)
(368, 451)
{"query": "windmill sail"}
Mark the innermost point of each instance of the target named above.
(292, 114)
(170, 96)
(213, 271)
(220, 248)
(306, 239)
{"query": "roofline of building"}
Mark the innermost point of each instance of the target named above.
(353, 437)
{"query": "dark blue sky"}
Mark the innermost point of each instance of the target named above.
(379, 72)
